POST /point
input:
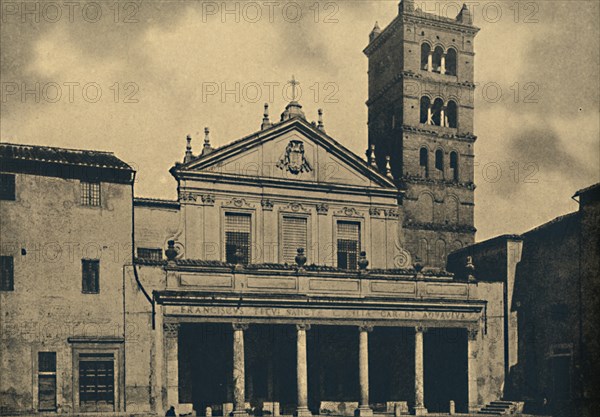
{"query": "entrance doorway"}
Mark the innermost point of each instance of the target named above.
(446, 369)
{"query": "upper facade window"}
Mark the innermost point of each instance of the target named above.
(294, 236)
(7, 280)
(438, 60)
(90, 193)
(7, 187)
(238, 238)
(348, 244)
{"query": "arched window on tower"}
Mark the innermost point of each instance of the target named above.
(451, 115)
(440, 252)
(425, 112)
(451, 61)
(424, 162)
(439, 163)
(437, 59)
(436, 112)
(425, 52)
(454, 165)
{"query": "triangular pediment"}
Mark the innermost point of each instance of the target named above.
(293, 150)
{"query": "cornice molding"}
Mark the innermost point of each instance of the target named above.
(411, 224)
(415, 179)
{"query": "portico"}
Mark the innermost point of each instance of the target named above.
(276, 346)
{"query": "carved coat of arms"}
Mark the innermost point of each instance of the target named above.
(293, 159)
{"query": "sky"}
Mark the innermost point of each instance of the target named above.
(135, 78)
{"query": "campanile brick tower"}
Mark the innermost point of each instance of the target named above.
(421, 90)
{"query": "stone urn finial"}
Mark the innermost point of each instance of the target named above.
(300, 258)
(470, 268)
(363, 262)
(171, 252)
(418, 265)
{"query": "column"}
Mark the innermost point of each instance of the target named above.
(429, 115)
(171, 334)
(472, 341)
(239, 395)
(419, 379)
(443, 64)
(430, 61)
(301, 371)
(443, 117)
(363, 371)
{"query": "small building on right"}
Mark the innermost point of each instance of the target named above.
(552, 287)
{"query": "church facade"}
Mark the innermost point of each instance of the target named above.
(290, 276)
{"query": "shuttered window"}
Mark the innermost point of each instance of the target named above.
(294, 235)
(149, 253)
(90, 276)
(238, 238)
(7, 187)
(348, 244)
(47, 381)
(7, 279)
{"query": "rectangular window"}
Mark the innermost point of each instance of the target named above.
(238, 238)
(47, 381)
(294, 236)
(348, 244)
(7, 278)
(7, 187)
(90, 193)
(149, 253)
(96, 381)
(90, 277)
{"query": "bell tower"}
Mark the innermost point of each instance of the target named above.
(421, 105)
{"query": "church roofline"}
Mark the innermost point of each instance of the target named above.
(200, 265)
(242, 144)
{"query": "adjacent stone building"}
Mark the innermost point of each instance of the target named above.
(551, 309)
(65, 227)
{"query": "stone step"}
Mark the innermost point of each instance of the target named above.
(498, 407)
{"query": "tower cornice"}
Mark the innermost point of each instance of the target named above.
(419, 17)
(467, 137)
(409, 75)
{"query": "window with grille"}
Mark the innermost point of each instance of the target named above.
(47, 381)
(7, 187)
(238, 238)
(7, 278)
(348, 244)
(90, 280)
(149, 253)
(96, 381)
(294, 235)
(90, 193)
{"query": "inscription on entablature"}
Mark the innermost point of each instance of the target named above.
(212, 311)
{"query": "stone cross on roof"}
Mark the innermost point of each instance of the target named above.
(294, 83)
